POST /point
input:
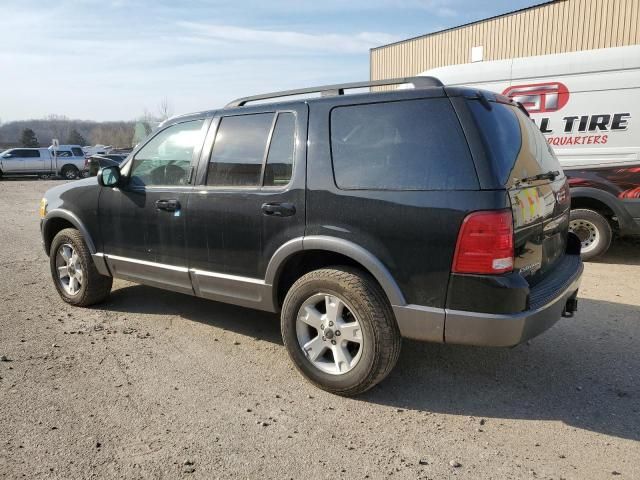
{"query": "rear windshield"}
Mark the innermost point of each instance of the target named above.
(517, 147)
(405, 145)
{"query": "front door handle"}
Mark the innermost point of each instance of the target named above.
(284, 209)
(172, 205)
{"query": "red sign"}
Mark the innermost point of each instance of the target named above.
(540, 97)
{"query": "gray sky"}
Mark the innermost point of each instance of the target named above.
(112, 59)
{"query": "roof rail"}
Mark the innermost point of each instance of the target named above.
(338, 89)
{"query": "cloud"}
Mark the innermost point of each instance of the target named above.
(261, 39)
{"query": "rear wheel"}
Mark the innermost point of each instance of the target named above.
(339, 330)
(70, 172)
(593, 230)
(73, 271)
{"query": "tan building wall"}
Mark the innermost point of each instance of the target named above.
(555, 27)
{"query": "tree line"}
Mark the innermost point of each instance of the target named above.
(120, 134)
(41, 132)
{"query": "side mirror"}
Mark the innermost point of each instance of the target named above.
(110, 176)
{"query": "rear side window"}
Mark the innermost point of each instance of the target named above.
(516, 146)
(407, 145)
(77, 152)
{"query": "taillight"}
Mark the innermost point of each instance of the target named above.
(485, 243)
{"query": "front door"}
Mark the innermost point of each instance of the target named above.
(249, 200)
(143, 223)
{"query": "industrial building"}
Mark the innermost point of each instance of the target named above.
(557, 26)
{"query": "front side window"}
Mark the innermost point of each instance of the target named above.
(405, 145)
(166, 158)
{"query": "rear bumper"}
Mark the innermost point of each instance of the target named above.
(548, 301)
(507, 330)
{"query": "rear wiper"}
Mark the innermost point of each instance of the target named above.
(551, 175)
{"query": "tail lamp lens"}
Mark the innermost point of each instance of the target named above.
(485, 243)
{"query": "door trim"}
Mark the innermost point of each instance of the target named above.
(222, 287)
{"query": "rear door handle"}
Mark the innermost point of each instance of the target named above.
(168, 205)
(284, 209)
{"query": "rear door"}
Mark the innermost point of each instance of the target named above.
(540, 207)
(250, 200)
(34, 160)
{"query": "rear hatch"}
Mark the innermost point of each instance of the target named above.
(538, 190)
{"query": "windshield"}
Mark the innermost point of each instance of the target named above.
(518, 149)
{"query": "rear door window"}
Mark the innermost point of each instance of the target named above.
(277, 171)
(253, 150)
(239, 150)
(405, 145)
(516, 146)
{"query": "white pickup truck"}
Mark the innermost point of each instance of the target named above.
(66, 160)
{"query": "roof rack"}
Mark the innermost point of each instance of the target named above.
(338, 89)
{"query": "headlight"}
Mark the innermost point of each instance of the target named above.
(43, 208)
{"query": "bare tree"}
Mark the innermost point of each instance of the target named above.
(164, 109)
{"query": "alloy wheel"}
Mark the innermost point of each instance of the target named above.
(329, 333)
(70, 269)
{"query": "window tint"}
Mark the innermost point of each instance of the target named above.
(166, 159)
(407, 145)
(63, 154)
(277, 172)
(26, 153)
(515, 144)
(239, 149)
(77, 152)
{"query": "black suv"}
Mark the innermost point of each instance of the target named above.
(433, 213)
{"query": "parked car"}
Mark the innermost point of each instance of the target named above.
(95, 162)
(433, 213)
(66, 160)
(585, 104)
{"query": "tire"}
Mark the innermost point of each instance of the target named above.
(70, 172)
(91, 286)
(594, 232)
(371, 341)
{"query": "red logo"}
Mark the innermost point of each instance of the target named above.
(540, 97)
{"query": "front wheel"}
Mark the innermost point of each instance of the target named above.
(339, 330)
(73, 271)
(593, 230)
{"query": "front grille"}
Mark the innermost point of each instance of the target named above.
(563, 273)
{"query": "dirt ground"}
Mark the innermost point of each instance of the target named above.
(156, 384)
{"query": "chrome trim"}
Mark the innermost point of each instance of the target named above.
(243, 291)
(154, 274)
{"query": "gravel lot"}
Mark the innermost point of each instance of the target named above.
(157, 384)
